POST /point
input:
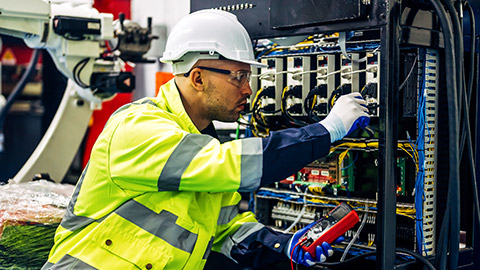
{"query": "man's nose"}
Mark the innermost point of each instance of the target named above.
(246, 89)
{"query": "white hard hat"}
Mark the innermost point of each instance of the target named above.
(207, 34)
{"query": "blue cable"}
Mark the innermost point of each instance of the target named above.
(355, 159)
(313, 49)
(420, 145)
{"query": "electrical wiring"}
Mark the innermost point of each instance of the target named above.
(466, 132)
(451, 213)
(413, 148)
(315, 47)
(472, 49)
(399, 252)
(244, 122)
(418, 257)
(270, 75)
(332, 203)
(414, 153)
(257, 115)
(357, 234)
(408, 76)
(77, 70)
(364, 144)
(284, 109)
(342, 155)
(351, 164)
(300, 215)
(458, 47)
(109, 50)
(237, 132)
(415, 161)
(420, 146)
(358, 71)
(335, 95)
(270, 47)
(309, 103)
(291, 254)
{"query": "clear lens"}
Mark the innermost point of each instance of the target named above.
(239, 78)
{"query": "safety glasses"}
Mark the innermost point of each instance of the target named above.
(238, 78)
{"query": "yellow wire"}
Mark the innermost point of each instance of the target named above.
(415, 161)
(342, 156)
(256, 132)
(283, 96)
(363, 88)
(314, 102)
(402, 211)
(351, 145)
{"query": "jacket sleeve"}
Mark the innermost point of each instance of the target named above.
(241, 238)
(152, 153)
(287, 151)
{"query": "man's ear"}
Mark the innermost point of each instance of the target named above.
(196, 79)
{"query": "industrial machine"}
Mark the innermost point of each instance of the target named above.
(87, 47)
(416, 66)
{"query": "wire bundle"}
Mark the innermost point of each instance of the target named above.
(420, 147)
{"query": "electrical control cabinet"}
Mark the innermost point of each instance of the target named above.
(393, 172)
(350, 172)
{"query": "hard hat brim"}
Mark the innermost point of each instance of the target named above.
(252, 63)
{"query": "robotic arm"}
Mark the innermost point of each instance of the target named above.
(71, 34)
(76, 36)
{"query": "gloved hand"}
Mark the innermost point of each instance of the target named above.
(349, 113)
(300, 256)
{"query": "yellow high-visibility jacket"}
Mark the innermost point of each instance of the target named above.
(158, 194)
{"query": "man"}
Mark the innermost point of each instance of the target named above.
(160, 191)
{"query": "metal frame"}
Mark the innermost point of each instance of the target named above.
(386, 215)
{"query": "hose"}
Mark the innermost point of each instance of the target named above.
(19, 87)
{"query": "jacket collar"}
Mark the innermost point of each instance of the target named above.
(171, 95)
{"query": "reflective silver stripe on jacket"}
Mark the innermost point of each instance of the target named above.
(179, 160)
(126, 106)
(161, 225)
(243, 232)
(148, 101)
(251, 164)
(227, 213)
(209, 248)
(71, 221)
(68, 262)
(47, 266)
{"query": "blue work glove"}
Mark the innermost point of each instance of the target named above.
(300, 256)
(349, 113)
